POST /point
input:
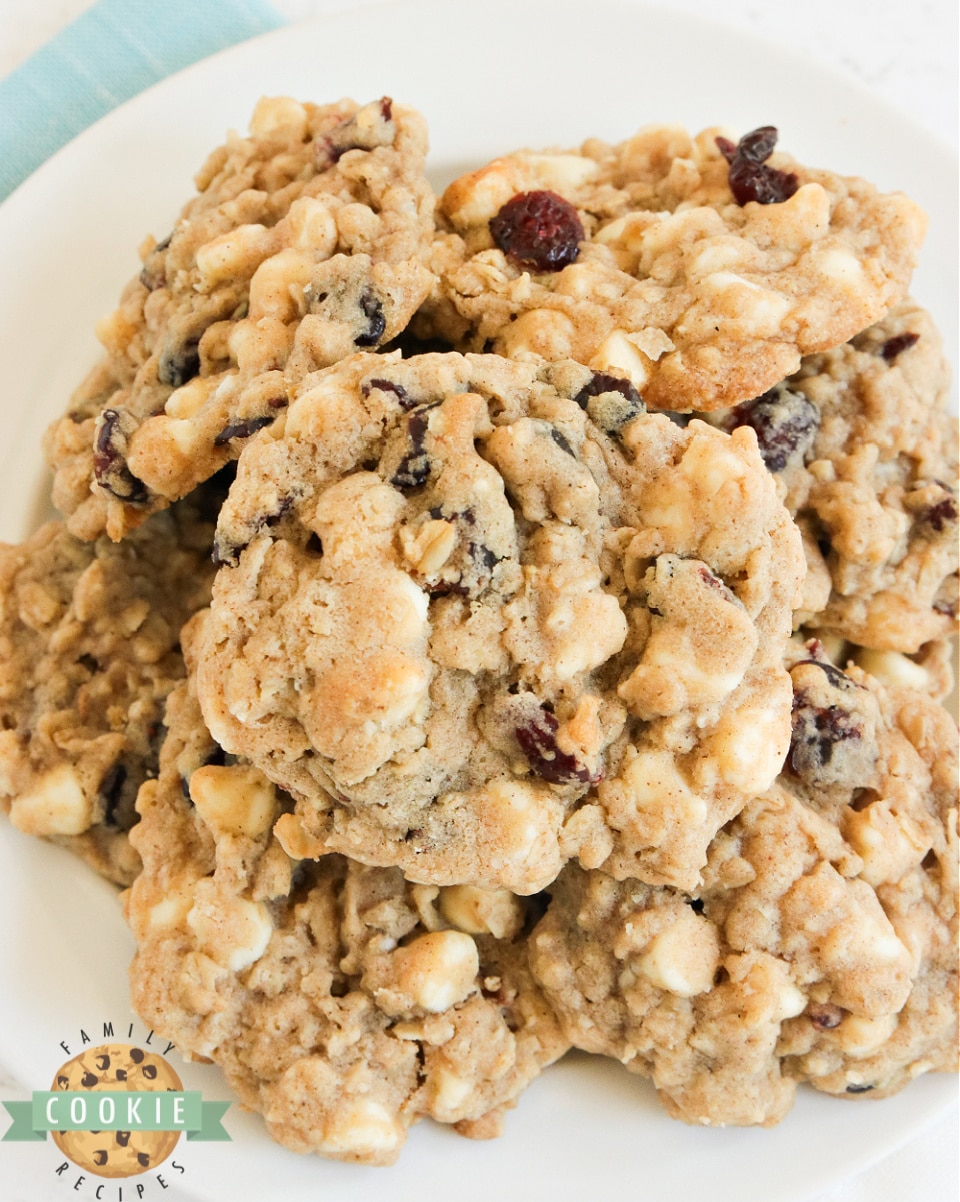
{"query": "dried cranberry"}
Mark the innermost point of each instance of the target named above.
(153, 275)
(825, 1017)
(372, 310)
(398, 391)
(941, 514)
(749, 176)
(179, 363)
(538, 230)
(896, 345)
(109, 458)
(562, 442)
(859, 1088)
(611, 402)
(112, 790)
(414, 468)
(537, 739)
(785, 424)
(825, 717)
(242, 429)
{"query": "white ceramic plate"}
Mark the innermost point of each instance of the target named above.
(489, 77)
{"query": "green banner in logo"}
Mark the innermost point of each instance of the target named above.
(116, 1110)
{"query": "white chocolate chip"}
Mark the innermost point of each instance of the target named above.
(683, 959)
(620, 357)
(362, 1128)
(279, 112)
(482, 911)
(437, 970)
(861, 1037)
(231, 930)
(233, 800)
(235, 253)
(892, 668)
(55, 805)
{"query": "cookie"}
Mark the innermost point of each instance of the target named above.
(89, 650)
(821, 945)
(702, 280)
(341, 1002)
(866, 454)
(116, 1067)
(305, 242)
(481, 616)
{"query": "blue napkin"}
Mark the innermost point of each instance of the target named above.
(111, 52)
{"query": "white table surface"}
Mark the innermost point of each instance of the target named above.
(907, 54)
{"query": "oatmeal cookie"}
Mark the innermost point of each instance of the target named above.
(306, 241)
(821, 945)
(340, 1001)
(701, 280)
(89, 650)
(481, 616)
(866, 455)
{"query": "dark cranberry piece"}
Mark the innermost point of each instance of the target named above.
(941, 514)
(153, 275)
(372, 310)
(539, 230)
(896, 345)
(749, 176)
(785, 424)
(859, 1088)
(243, 429)
(610, 401)
(414, 469)
(561, 442)
(388, 386)
(179, 363)
(111, 790)
(349, 136)
(825, 1017)
(818, 728)
(109, 453)
(537, 739)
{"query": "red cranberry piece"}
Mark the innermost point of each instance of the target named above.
(414, 468)
(372, 310)
(750, 177)
(828, 738)
(243, 429)
(942, 514)
(785, 424)
(610, 401)
(825, 1017)
(896, 345)
(538, 230)
(109, 458)
(537, 739)
(398, 391)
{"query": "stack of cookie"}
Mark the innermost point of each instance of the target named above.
(485, 627)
